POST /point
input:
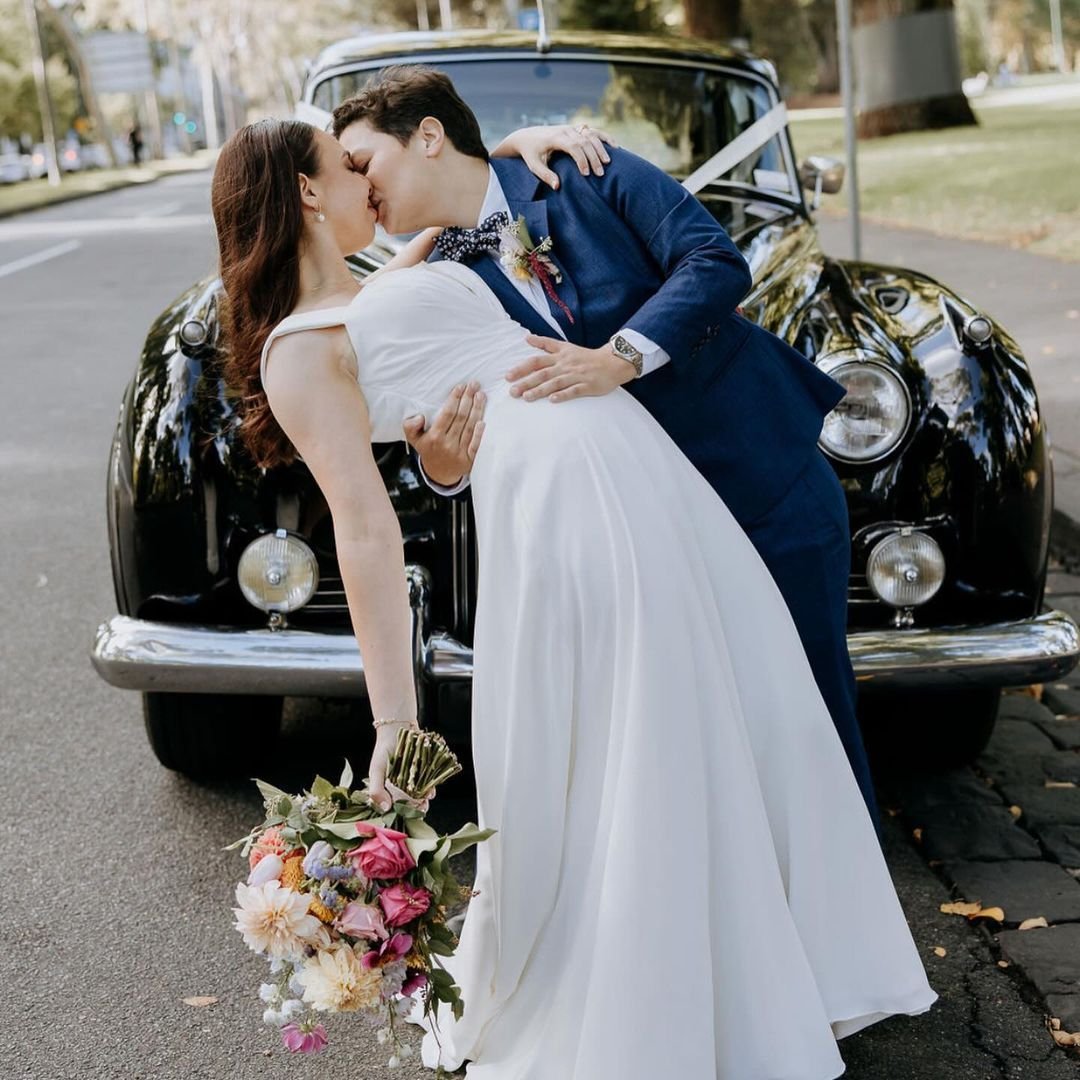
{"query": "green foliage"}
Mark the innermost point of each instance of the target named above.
(972, 29)
(19, 110)
(18, 95)
(779, 30)
(633, 16)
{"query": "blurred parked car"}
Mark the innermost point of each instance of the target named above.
(14, 168)
(227, 588)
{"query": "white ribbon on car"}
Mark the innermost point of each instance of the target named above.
(741, 147)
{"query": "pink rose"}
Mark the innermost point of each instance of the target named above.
(401, 903)
(270, 842)
(384, 856)
(362, 921)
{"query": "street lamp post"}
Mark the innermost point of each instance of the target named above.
(42, 84)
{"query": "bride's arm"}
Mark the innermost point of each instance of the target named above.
(415, 251)
(320, 407)
(534, 145)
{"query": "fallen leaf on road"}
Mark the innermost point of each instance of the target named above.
(917, 833)
(1030, 924)
(1003, 963)
(1015, 811)
(961, 907)
(198, 1001)
(938, 950)
(973, 910)
(892, 811)
(1035, 690)
(1062, 1038)
(1058, 783)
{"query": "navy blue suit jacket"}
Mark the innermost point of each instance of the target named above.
(637, 250)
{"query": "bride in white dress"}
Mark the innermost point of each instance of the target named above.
(685, 881)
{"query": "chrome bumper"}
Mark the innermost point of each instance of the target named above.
(135, 654)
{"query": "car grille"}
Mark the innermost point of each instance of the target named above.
(860, 593)
(326, 609)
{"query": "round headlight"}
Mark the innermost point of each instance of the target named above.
(906, 569)
(278, 572)
(873, 416)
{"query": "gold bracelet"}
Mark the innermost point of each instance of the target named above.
(379, 721)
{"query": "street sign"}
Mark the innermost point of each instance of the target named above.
(120, 62)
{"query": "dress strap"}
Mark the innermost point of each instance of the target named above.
(305, 320)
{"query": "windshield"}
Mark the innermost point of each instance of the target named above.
(674, 116)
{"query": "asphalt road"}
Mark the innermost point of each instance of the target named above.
(115, 891)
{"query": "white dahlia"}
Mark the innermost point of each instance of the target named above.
(275, 921)
(334, 980)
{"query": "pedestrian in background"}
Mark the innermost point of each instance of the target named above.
(135, 141)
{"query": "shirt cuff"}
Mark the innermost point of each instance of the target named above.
(652, 355)
(441, 489)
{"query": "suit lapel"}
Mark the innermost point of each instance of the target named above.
(517, 307)
(520, 188)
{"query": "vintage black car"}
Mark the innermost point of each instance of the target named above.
(227, 590)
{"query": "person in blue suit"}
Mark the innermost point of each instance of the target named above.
(641, 291)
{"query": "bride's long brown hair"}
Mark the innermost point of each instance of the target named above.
(255, 198)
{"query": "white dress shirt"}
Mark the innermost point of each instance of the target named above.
(653, 356)
(533, 291)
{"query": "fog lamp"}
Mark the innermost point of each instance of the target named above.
(906, 569)
(278, 572)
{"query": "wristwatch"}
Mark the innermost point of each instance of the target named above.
(621, 347)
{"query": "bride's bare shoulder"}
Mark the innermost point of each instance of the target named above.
(305, 353)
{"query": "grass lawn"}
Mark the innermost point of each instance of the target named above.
(32, 194)
(1012, 180)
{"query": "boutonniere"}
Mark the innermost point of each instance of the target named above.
(525, 259)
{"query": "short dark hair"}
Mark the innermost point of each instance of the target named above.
(400, 96)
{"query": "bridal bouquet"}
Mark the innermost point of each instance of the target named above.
(348, 903)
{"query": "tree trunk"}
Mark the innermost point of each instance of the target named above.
(715, 20)
(907, 67)
(61, 22)
(821, 20)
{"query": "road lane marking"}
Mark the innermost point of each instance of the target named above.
(161, 210)
(39, 257)
(86, 227)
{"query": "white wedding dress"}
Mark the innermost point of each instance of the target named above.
(685, 881)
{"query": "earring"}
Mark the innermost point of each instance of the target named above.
(319, 215)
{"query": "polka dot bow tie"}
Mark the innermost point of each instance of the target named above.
(462, 245)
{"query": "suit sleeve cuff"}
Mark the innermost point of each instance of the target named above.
(652, 355)
(442, 489)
